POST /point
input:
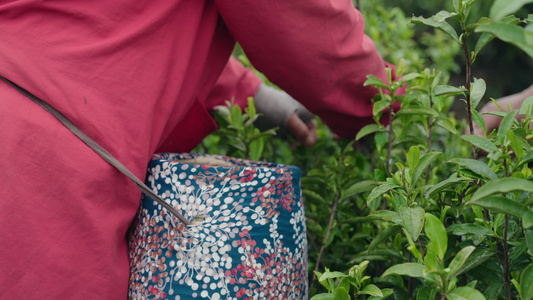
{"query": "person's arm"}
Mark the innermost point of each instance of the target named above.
(236, 83)
(278, 109)
(492, 121)
(315, 50)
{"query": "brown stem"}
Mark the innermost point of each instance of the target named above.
(506, 262)
(326, 238)
(468, 98)
(358, 5)
(430, 127)
(422, 250)
(409, 291)
(389, 150)
(429, 149)
(505, 254)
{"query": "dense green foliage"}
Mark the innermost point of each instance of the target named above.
(427, 216)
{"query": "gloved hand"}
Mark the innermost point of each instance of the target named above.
(279, 109)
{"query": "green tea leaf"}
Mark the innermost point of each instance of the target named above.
(380, 190)
(417, 110)
(425, 293)
(374, 81)
(236, 117)
(504, 185)
(447, 124)
(407, 77)
(512, 34)
(465, 293)
(371, 290)
(478, 119)
(357, 271)
(386, 215)
(459, 260)
(423, 164)
(437, 235)
(256, 149)
(468, 228)
(526, 106)
(527, 219)
(475, 259)
(368, 129)
(430, 260)
(477, 91)
(438, 21)
(480, 142)
(331, 275)
(384, 292)
(341, 294)
(442, 185)
(483, 40)
(323, 296)
(380, 106)
(501, 204)
(413, 156)
(380, 139)
(475, 166)
(502, 8)
(527, 158)
(384, 235)
(526, 283)
(360, 187)
(413, 220)
(516, 144)
(313, 195)
(406, 269)
(485, 37)
(505, 125)
(250, 110)
(448, 90)
(528, 233)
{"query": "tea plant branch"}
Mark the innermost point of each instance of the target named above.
(389, 150)
(468, 85)
(326, 238)
(505, 246)
(409, 290)
(430, 129)
(506, 266)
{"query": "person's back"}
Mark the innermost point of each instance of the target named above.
(126, 72)
(117, 69)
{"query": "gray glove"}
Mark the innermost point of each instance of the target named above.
(276, 107)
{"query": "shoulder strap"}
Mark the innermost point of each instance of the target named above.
(98, 149)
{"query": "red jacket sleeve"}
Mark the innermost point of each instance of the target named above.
(315, 50)
(236, 82)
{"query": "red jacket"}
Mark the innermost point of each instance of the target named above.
(135, 76)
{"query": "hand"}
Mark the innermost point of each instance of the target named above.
(493, 122)
(279, 109)
(304, 133)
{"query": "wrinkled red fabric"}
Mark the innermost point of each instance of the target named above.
(136, 77)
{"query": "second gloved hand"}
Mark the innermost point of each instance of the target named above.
(279, 109)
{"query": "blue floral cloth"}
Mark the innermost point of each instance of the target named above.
(247, 240)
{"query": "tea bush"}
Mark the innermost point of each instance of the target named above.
(427, 216)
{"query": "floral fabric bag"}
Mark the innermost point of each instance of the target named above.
(247, 238)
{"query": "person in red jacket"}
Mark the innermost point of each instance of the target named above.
(130, 74)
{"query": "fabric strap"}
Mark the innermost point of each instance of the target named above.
(98, 149)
